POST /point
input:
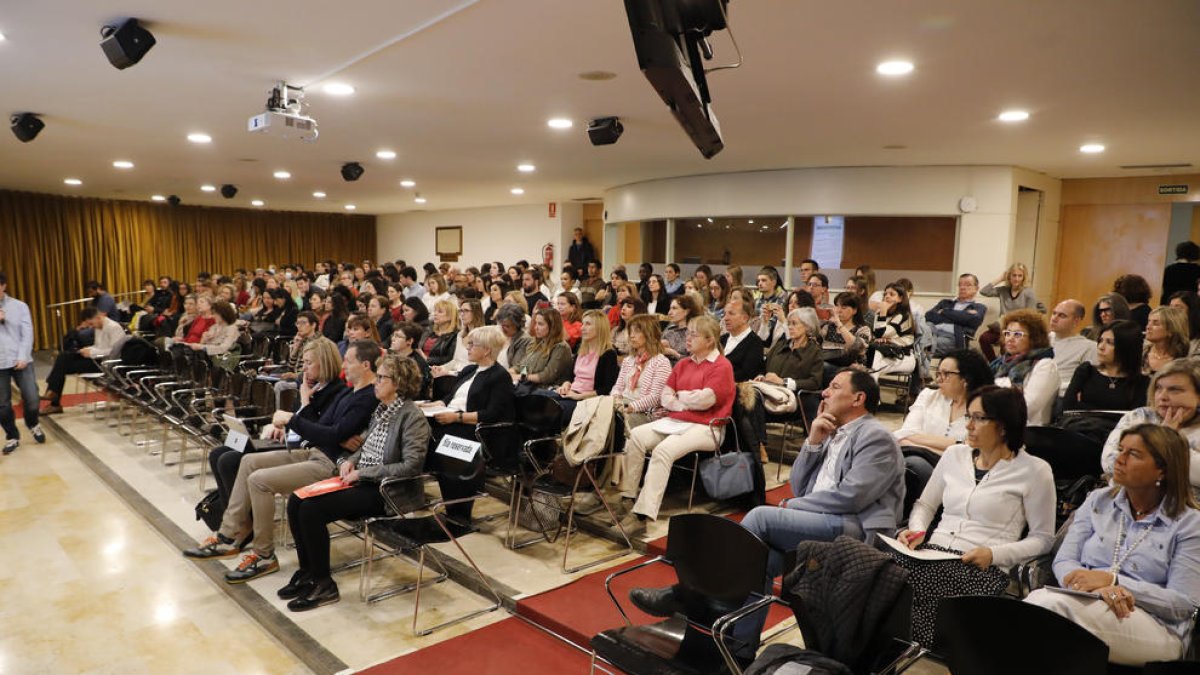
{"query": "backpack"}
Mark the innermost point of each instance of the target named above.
(138, 351)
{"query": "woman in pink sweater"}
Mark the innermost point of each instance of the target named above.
(699, 391)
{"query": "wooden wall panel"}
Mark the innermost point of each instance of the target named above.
(1129, 190)
(1100, 242)
(912, 243)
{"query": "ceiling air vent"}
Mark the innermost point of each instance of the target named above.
(1181, 165)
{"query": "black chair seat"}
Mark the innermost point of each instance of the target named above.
(655, 648)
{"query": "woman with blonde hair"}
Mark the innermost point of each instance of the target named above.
(441, 339)
(435, 290)
(1014, 291)
(470, 317)
(1166, 338)
(595, 365)
(547, 360)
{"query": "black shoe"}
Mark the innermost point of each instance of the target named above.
(322, 593)
(299, 586)
(10, 445)
(38, 434)
(656, 601)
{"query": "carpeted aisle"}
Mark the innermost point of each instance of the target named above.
(68, 400)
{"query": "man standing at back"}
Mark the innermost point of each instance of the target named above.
(1070, 348)
(1182, 274)
(581, 251)
(16, 365)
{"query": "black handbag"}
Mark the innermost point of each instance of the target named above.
(210, 509)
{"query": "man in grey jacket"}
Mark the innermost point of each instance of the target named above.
(16, 365)
(848, 479)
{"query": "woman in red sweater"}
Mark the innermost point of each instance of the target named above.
(203, 322)
(700, 390)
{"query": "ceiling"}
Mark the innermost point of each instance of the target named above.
(461, 91)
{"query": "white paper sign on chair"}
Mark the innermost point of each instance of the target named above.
(458, 448)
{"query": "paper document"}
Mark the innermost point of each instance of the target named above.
(1071, 591)
(432, 410)
(921, 554)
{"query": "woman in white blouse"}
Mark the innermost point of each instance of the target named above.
(990, 492)
(938, 418)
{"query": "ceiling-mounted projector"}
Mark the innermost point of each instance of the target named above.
(284, 116)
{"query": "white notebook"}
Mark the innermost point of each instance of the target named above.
(923, 554)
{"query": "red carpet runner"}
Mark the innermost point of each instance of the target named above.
(68, 400)
(576, 611)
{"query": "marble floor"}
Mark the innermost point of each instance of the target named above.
(93, 525)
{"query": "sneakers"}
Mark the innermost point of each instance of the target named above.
(38, 434)
(323, 592)
(252, 567)
(217, 546)
(11, 445)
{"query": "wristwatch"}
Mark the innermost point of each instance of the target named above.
(460, 417)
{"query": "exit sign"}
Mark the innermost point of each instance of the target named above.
(1172, 189)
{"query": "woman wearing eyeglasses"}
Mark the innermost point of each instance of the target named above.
(1028, 363)
(997, 510)
(938, 418)
(1136, 547)
(1108, 308)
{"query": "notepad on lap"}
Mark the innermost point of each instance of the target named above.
(920, 554)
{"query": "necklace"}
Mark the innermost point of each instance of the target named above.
(1118, 558)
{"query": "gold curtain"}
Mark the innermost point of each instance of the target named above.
(51, 245)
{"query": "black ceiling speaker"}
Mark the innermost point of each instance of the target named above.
(228, 191)
(126, 44)
(174, 200)
(605, 130)
(352, 171)
(26, 126)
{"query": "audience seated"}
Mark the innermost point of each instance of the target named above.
(718, 296)
(107, 334)
(222, 334)
(596, 366)
(998, 507)
(938, 418)
(567, 305)
(1014, 292)
(1108, 308)
(195, 329)
(818, 287)
(440, 342)
(1189, 302)
(1174, 402)
(380, 312)
(531, 288)
(845, 336)
(393, 446)
(955, 321)
(1166, 338)
(1028, 363)
(640, 382)
(1136, 546)
(436, 290)
(655, 296)
(482, 394)
(698, 397)
(769, 290)
(683, 308)
(547, 360)
(250, 506)
(405, 338)
(1136, 292)
(511, 321)
(893, 335)
(1070, 348)
(1115, 382)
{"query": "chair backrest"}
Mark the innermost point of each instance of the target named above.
(1069, 454)
(539, 415)
(987, 635)
(455, 470)
(289, 400)
(716, 558)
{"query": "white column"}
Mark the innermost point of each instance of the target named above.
(787, 257)
(670, 241)
(610, 247)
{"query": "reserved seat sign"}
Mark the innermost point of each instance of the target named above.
(458, 448)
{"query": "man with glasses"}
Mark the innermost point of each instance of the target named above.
(16, 365)
(818, 288)
(955, 320)
(1070, 348)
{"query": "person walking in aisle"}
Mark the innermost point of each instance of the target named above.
(16, 365)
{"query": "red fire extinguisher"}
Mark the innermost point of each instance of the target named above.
(548, 255)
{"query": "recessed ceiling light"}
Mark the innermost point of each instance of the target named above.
(894, 68)
(122, 164)
(1013, 116)
(208, 188)
(256, 202)
(560, 123)
(1091, 148)
(338, 89)
(408, 183)
(72, 181)
(319, 195)
(386, 154)
(710, 220)
(199, 138)
(350, 207)
(526, 168)
(420, 200)
(282, 175)
(517, 191)
(2, 38)
(751, 221)
(157, 198)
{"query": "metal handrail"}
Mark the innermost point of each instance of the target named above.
(56, 323)
(82, 300)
